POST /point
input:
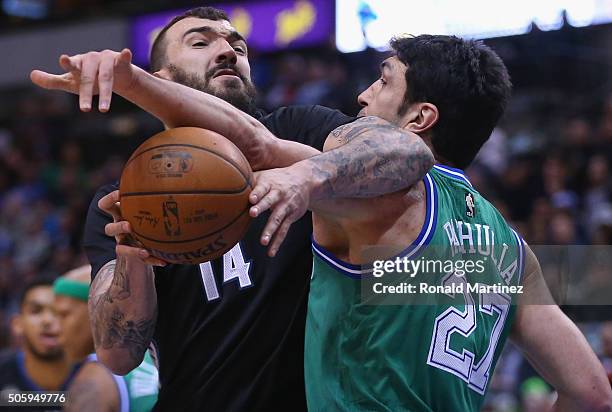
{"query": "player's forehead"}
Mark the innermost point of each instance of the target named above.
(392, 66)
(66, 304)
(193, 25)
(39, 296)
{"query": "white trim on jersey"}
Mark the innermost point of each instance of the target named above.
(355, 271)
(452, 172)
(521, 253)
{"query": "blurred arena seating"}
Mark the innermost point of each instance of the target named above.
(546, 167)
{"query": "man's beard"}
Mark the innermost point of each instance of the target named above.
(52, 355)
(242, 98)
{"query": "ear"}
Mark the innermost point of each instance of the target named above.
(420, 117)
(163, 74)
(16, 325)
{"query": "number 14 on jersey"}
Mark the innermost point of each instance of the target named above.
(234, 268)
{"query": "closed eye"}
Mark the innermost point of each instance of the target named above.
(200, 44)
(382, 81)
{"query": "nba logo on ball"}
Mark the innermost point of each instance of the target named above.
(171, 217)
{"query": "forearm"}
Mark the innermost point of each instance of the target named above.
(569, 364)
(178, 105)
(285, 153)
(123, 311)
(375, 158)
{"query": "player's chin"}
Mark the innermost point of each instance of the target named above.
(48, 349)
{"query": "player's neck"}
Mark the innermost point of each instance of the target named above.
(48, 374)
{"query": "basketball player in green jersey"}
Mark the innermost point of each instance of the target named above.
(437, 357)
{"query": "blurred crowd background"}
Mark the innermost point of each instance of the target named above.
(546, 167)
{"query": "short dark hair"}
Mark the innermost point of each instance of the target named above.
(34, 283)
(158, 50)
(468, 83)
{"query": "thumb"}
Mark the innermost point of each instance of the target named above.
(51, 81)
(124, 58)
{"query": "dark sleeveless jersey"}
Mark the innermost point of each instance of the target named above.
(14, 377)
(230, 333)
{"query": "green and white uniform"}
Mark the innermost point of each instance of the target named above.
(138, 389)
(143, 385)
(440, 357)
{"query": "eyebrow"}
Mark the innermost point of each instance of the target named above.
(231, 37)
(385, 66)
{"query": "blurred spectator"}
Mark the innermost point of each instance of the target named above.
(39, 363)
(289, 78)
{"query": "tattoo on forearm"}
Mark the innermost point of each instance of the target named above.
(121, 282)
(386, 159)
(110, 324)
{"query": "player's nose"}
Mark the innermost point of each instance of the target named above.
(362, 99)
(225, 53)
(48, 318)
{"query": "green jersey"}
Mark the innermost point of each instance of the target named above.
(417, 357)
(143, 385)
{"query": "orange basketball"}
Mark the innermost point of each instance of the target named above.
(185, 192)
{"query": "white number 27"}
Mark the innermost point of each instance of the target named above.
(463, 322)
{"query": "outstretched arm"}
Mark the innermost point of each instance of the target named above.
(371, 157)
(379, 158)
(175, 105)
(557, 349)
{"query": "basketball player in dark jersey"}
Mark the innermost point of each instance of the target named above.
(40, 364)
(229, 333)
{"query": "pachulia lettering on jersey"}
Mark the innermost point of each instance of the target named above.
(435, 357)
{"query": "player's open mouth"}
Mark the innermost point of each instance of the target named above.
(226, 72)
(49, 339)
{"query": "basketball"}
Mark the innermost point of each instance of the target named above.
(185, 192)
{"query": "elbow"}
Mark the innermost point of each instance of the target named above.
(118, 362)
(600, 404)
(601, 401)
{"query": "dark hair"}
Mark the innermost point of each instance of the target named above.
(34, 283)
(468, 83)
(158, 50)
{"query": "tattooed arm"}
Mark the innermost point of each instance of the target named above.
(123, 312)
(368, 157)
